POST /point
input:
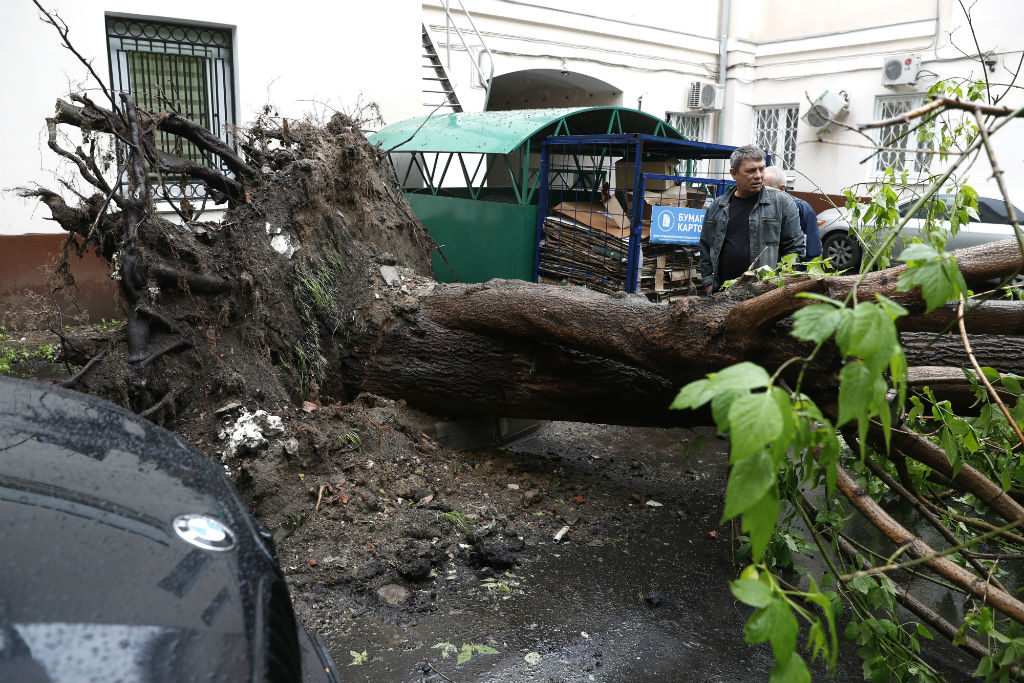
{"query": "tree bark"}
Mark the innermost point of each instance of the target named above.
(525, 350)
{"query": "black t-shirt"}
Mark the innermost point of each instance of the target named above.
(734, 258)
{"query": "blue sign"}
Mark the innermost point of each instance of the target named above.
(675, 225)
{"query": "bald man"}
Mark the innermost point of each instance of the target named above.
(775, 177)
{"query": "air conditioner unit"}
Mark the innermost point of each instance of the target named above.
(706, 95)
(900, 70)
(827, 108)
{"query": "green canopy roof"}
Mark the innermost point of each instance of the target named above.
(502, 132)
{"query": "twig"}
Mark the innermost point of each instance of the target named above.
(63, 30)
(981, 375)
(977, 47)
(905, 117)
(159, 404)
(319, 497)
(434, 669)
(392, 149)
(997, 173)
(73, 380)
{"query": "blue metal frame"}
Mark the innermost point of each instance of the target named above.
(648, 144)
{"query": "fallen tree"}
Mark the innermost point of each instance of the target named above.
(313, 284)
(319, 315)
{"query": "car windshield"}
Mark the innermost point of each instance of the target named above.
(989, 210)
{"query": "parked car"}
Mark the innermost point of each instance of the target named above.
(845, 250)
(128, 556)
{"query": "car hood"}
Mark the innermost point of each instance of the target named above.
(97, 582)
(829, 216)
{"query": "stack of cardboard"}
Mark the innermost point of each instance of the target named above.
(669, 271)
(585, 244)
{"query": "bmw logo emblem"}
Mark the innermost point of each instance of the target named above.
(204, 532)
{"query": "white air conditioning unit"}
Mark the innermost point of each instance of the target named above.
(827, 108)
(900, 70)
(706, 95)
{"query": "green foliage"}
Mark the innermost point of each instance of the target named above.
(460, 521)
(1005, 641)
(12, 354)
(465, 653)
(320, 306)
(774, 620)
(784, 449)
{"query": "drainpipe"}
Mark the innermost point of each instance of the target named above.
(723, 57)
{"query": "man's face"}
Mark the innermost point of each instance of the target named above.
(749, 177)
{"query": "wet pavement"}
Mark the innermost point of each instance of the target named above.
(640, 599)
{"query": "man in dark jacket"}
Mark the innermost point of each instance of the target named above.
(775, 177)
(749, 226)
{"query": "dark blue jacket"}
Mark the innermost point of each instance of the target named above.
(809, 224)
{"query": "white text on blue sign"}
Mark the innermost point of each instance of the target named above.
(676, 225)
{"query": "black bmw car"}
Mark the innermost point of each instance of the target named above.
(126, 555)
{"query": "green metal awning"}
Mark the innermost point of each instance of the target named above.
(502, 132)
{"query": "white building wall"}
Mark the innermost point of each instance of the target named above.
(779, 52)
(641, 52)
(292, 56)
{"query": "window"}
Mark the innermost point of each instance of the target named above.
(187, 67)
(775, 133)
(896, 139)
(693, 127)
(994, 211)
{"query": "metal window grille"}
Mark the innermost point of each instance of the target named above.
(693, 127)
(184, 67)
(896, 136)
(775, 132)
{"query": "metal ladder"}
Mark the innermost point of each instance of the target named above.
(436, 78)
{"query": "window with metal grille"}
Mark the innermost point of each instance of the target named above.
(693, 127)
(899, 150)
(184, 67)
(775, 133)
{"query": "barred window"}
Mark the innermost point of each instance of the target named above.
(896, 139)
(694, 127)
(187, 68)
(775, 133)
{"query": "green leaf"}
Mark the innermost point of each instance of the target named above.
(759, 626)
(759, 521)
(758, 421)
(936, 279)
(749, 480)
(720, 406)
(751, 592)
(793, 670)
(817, 297)
(464, 655)
(919, 252)
(485, 650)
(924, 632)
(693, 395)
(782, 442)
(855, 391)
(891, 307)
(869, 333)
(785, 628)
(816, 322)
(1011, 383)
(740, 377)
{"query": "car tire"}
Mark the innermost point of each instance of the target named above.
(843, 250)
